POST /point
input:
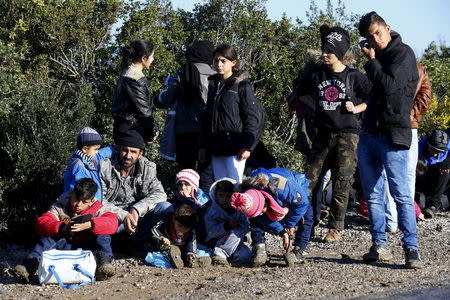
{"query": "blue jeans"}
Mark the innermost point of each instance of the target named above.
(376, 154)
(100, 243)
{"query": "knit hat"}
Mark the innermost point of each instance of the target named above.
(438, 140)
(88, 137)
(190, 176)
(335, 40)
(131, 139)
(251, 203)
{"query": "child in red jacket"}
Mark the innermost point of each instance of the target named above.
(75, 221)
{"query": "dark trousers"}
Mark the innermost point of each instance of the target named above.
(96, 243)
(145, 127)
(433, 184)
(302, 236)
(342, 147)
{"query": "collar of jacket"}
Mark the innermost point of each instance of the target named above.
(133, 72)
(86, 158)
(236, 78)
(395, 41)
(316, 57)
(64, 199)
(137, 169)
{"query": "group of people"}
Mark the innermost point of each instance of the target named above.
(113, 200)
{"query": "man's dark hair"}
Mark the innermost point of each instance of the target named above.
(225, 186)
(368, 20)
(186, 215)
(85, 189)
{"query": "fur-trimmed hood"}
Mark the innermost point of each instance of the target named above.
(133, 72)
(237, 77)
(315, 56)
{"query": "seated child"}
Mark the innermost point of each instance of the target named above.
(188, 192)
(75, 221)
(176, 237)
(289, 190)
(226, 227)
(86, 160)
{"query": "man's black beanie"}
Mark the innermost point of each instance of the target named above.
(131, 139)
(335, 40)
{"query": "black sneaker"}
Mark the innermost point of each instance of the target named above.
(378, 253)
(412, 259)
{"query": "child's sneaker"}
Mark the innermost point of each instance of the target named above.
(219, 260)
(260, 257)
(290, 259)
(175, 257)
(299, 255)
(26, 272)
(200, 262)
(21, 274)
(105, 269)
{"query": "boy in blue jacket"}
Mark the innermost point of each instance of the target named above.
(86, 160)
(290, 191)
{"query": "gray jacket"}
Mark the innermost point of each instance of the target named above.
(141, 190)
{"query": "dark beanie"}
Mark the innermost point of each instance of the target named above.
(438, 140)
(131, 139)
(88, 137)
(335, 40)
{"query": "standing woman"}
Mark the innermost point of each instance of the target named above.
(131, 106)
(234, 117)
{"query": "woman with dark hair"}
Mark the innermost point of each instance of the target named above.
(186, 95)
(234, 117)
(131, 106)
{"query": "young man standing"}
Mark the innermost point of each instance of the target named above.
(386, 135)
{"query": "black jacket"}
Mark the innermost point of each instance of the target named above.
(234, 116)
(394, 75)
(132, 100)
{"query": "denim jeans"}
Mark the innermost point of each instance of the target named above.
(391, 209)
(375, 154)
(100, 243)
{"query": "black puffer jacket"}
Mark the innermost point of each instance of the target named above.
(394, 76)
(132, 101)
(234, 116)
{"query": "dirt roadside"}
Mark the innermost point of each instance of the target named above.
(332, 271)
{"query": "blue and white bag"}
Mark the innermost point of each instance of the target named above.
(69, 268)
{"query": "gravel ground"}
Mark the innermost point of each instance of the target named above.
(332, 271)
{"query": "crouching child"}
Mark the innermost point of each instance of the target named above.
(226, 227)
(75, 221)
(176, 238)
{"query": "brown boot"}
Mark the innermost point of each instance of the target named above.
(333, 236)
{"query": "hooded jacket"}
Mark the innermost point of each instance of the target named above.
(216, 218)
(234, 117)
(141, 190)
(78, 167)
(394, 75)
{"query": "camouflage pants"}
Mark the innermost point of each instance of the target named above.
(335, 151)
